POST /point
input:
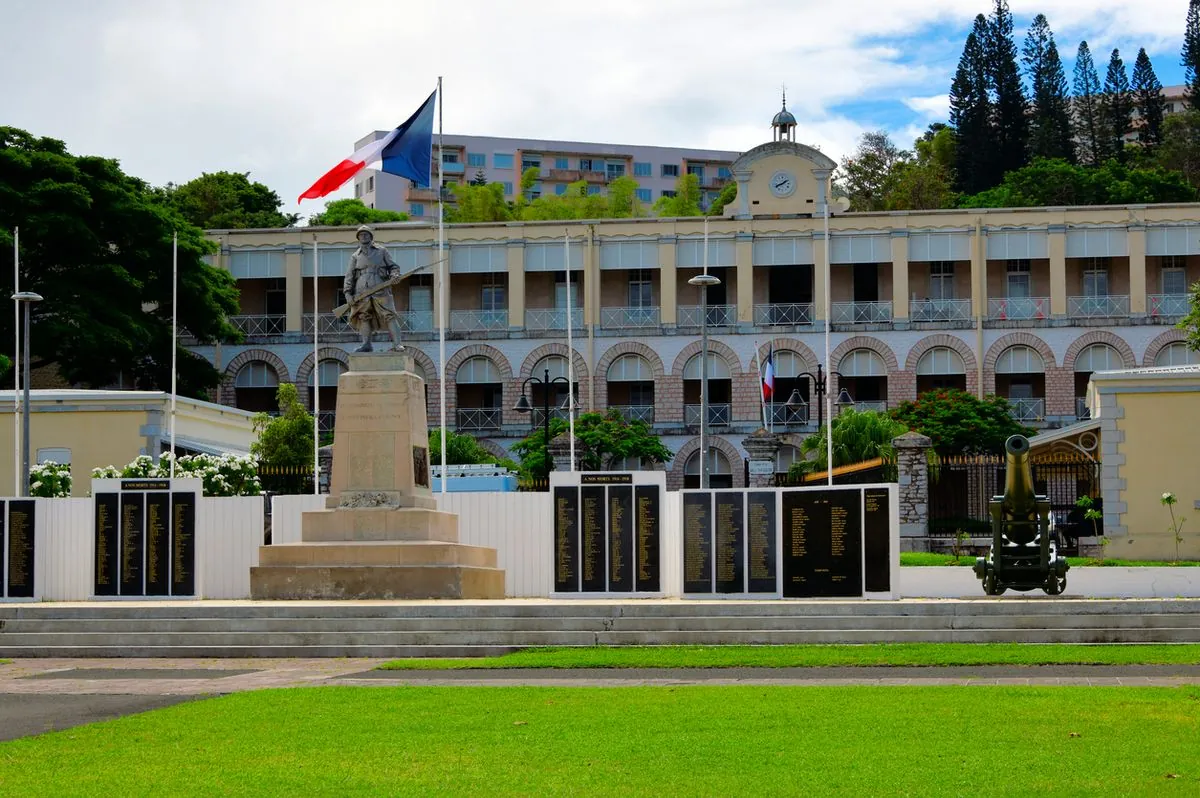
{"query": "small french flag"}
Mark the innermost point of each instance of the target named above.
(768, 375)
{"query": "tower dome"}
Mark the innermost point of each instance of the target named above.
(783, 124)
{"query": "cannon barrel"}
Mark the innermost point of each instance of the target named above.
(1019, 499)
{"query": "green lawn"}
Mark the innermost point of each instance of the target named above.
(688, 741)
(928, 558)
(932, 654)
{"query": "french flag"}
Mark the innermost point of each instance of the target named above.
(407, 151)
(768, 375)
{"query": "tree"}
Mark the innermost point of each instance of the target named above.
(1191, 52)
(474, 203)
(728, 195)
(927, 182)
(618, 202)
(1191, 322)
(1148, 99)
(870, 173)
(286, 440)
(1011, 121)
(1050, 133)
(1054, 182)
(463, 449)
(959, 422)
(1116, 108)
(971, 115)
(600, 438)
(1088, 126)
(227, 201)
(347, 212)
(96, 243)
(686, 201)
(1180, 147)
(480, 179)
(858, 436)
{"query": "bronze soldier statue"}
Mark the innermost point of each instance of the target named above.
(370, 267)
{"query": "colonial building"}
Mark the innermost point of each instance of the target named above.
(1024, 303)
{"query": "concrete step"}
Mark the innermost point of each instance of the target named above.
(377, 553)
(266, 651)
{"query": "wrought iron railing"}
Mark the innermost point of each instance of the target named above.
(939, 310)
(1167, 305)
(329, 324)
(862, 312)
(629, 318)
(325, 421)
(416, 321)
(479, 320)
(783, 314)
(873, 406)
(553, 319)
(635, 412)
(782, 415)
(1019, 308)
(1082, 411)
(538, 415)
(1027, 409)
(479, 418)
(260, 325)
(718, 315)
(717, 414)
(1097, 307)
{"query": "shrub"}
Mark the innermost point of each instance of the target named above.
(50, 480)
(227, 475)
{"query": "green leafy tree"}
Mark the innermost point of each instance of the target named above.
(858, 436)
(959, 422)
(286, 440)
(870, 174)
(1191, 52)
(480, 178)
(728, 195)
(96, 243)
(927, 182)
(1088, 125)
(1148, 100)
(1053, 182)
(600, 438)
(1180, 147)
(463, 449)
(971, 115)
(227, 201)
(686, 201)
(1050, 134)
(1011, 125)
(619, 202)
(347, 212)
(1116, 108)
(474, 203)
(1190, 323)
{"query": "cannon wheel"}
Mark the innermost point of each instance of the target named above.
(1056, 585)
(989, 586)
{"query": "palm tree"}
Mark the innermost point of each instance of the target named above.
(857, 437)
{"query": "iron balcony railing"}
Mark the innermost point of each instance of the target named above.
(553, 319)
(1082, 411)
(329, 324)
(783, 314)
(874, 406)
(479, 418)
(1019, 308)
(629, 318)
(718, 415)
(411, 321)
(862, 312)
(538, 416)
(635, 412)
(479, 320)
(325, 421)
(1097, 307)
(1167, 305)
(939, 310)
(1027, 409)
(782, 415)
(718, 315)
(260, 325)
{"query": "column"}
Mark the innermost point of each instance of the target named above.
(979, 299)
(762, 446)
(820, 312)
(516, 284)
(1137, 269)
(668, 282)
(294, 281)
(591, 283)
(1057, 250)
(744, 255)
(900, 275)
(742, 176)
(912, 467)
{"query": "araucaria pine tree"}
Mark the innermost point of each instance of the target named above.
(1011, 125)
(1116, 108)
(1191, 53)
(971, 115)
(1088, 128)
(1050, 134)
(1148, 99)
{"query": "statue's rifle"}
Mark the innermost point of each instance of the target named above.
(386, 285)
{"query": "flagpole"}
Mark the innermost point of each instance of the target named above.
(443, 309)
(174, 339)
(316, 369)
(762, 381)
(570, 348)
(16, 363)
(828, 325)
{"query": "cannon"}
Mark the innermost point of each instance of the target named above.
(1023, 555)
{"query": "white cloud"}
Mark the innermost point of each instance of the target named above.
(932, 108)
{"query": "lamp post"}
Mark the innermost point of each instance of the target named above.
(25, 298)
(819, 387)
(523, 406)
(704, 282)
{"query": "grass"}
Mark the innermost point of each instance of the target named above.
(686, 741)
(928, 558)
(923, 654)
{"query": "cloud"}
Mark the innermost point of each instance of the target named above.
(932, 108)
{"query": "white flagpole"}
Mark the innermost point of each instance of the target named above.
(443, 301)
(570, 350)
(316, 369)
(828, 325)
(16, 363)
(174, 338)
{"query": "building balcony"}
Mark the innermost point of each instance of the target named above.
(780, 415)
(1019, 308)
(471, 321)
(260, 325)
(476, 419)
(629, 318)
(1168, 306)
(573, 176)
(718, 415)
(718, 316)
(862, 313)
(635, 412)
(543, 319)
(429, 195)
(783, 315)
(416, 321)
(328, 324)
(1082, 411)
(1098, 307)
(874, 406)
(939, 310)
(452, 168)
(1027, 409)
(538, 415)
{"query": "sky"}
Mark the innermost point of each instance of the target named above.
(283, 89)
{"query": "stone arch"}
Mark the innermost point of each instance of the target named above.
(228, 397)
(629, 348)
(689, 448)
(900, 386)
(1060, 383)
(918, 350)
(554, 348)
(789, 344)
(1099, 337)
(1172, 336)
(716, 348)
(305, 369)
(457, 359)
(1018, 339)
(494, 448)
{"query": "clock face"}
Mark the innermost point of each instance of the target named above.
(783, 184)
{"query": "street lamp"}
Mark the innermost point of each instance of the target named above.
(25, 298)
(796, 401)
(523, 406)
(704, 282)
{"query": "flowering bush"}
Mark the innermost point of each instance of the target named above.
(1169, 501)
(227, 475)
(50, 480)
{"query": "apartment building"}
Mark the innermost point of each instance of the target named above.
(503, 160)
(1024, 303)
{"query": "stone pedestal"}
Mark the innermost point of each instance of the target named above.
(381, 535)
(763, 448)
(912, 474)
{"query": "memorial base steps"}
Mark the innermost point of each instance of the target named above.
(465, 629)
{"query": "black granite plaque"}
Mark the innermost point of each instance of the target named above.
(730, 543)
(762, 556)
(421, 466)
(19, 579)
(158, 544)
(183, 544)
(648, 507)
(133, 544)
(107, 540)
(822, 544)
(877, 517)
(697, 542)
(566, 539)
(620, 539)
(591, 538)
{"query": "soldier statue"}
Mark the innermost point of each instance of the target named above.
(371, 266)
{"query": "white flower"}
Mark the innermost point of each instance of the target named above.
(1168, 496)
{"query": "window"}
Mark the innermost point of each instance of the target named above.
(724, 173)
(1020, 279)
(560, 290)
(593, 189)
(502, 160)
(561, 163)
(862, 363)
(643, 195)
(358, 189)
(1019, 360)
(507, 187)
(449, 157)
(641, 169)
(492, 297)
(370, 184)
(560, 189)
(1095, 277)
(477, 159)
(697, 170)
(276, 297)
(477, 370)
(55, 455)
(531, 162)
(416, 209)
(941, 280)
(1176, 354)
(585, 165)
(614, 170)
(641, 289)
(670, 170)
(256, 374)
(668, 192)
(1174, 275)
